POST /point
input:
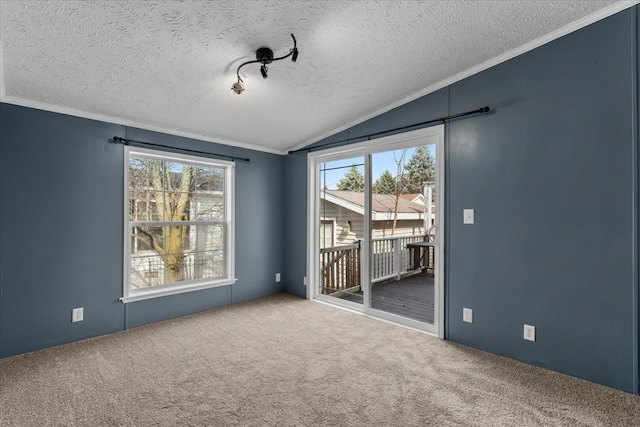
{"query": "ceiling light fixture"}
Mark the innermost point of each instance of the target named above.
(264, 55)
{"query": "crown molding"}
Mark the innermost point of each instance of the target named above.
(130, 123)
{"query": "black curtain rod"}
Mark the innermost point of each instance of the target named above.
(126, 141)
(368, 137)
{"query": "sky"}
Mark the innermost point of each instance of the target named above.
(380, 162)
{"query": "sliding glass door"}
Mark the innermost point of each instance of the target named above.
(340, 228)
(403, 232)
(375, 228)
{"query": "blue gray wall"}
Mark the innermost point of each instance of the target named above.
(552, 175)
(61, 230)
(552, 182)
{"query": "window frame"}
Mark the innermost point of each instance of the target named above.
(131, 295)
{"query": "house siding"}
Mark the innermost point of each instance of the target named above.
(380, 229)
(403, 228)
(341, 216)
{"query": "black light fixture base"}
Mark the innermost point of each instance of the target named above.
(264, 55)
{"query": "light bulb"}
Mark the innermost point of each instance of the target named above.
(237, 87)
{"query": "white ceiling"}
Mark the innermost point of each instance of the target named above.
(169, 65)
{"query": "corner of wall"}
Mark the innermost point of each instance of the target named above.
(295, 186)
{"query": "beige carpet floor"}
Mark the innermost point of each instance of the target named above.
(285, 361)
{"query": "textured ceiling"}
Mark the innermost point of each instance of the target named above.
(170, 64)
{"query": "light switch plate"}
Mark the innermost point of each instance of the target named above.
(468, 215)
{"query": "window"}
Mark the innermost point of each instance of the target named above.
(179, 231)
(327, 233)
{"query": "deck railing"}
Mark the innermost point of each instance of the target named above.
(391, 258)
(340, 268)
(340, 265)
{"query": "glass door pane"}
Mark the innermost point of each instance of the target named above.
(403, 242)
(341, 229)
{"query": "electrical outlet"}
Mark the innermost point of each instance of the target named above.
(277, 277)
(467, 315)
(529, 333)
(77, 314)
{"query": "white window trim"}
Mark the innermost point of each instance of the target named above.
(132, 295)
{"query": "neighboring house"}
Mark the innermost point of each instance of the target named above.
(342, 216)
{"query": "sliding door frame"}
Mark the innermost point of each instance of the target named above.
(421, 137)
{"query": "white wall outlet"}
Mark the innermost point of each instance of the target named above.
(529, 333)
(468, 216)
(305, 281)
(467, 315)
(77, 314)
(277, 277)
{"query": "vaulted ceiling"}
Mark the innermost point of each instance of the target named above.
(169, 65)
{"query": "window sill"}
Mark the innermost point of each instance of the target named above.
(157, 293)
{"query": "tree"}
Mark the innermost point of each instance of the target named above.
(400, 184)
(163, 191)
(170, 194)
(385, 184)
(420, 168)
(353, 180)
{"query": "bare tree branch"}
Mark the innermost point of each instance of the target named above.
(152, 239)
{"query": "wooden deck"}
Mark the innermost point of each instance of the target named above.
(411, 297)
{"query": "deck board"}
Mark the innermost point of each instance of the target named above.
(411, 297)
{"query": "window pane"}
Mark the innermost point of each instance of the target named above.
(177, 268)
(326, 234)
(209, 264)
(180, 206)
(146, 240)
(209, 179)
(179, 239)
(143, 206)
(210, 237)
(139, 173)
(209, 207)
(145, 174)
(180, 177)
(146, 272)
(134, 196)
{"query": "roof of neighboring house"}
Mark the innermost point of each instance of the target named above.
(410, 196)
(414, 197)
(382, 203)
